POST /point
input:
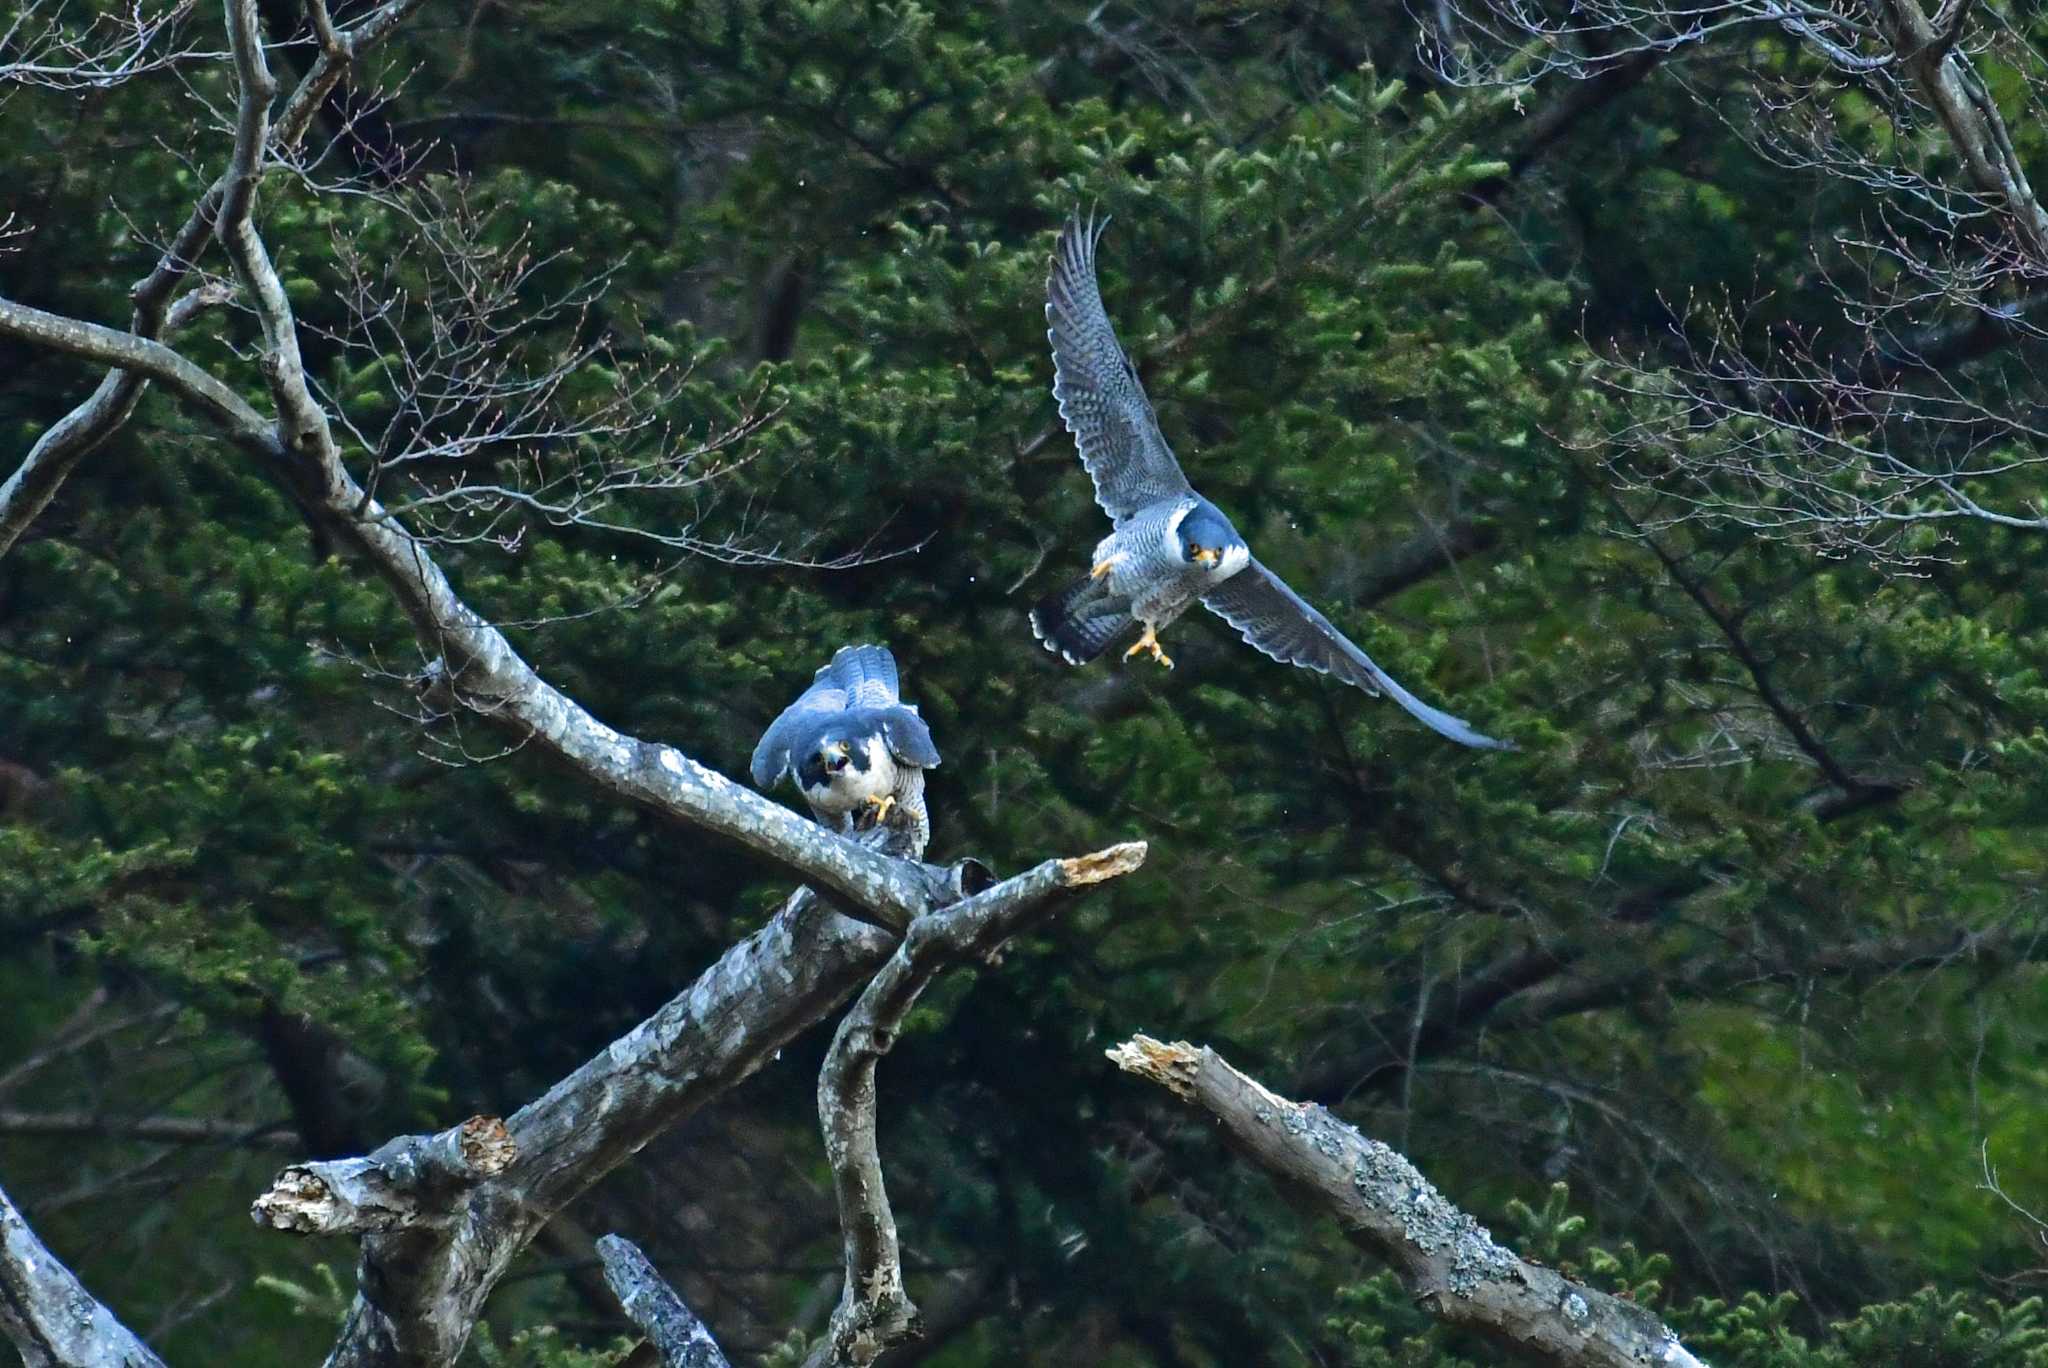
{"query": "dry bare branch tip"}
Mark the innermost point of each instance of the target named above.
(1172, 1066)
(875, 1312)
(1103, 865)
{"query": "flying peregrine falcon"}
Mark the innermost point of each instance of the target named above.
(1170, 546)
(858, 751)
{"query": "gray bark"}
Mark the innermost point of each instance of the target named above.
(433, 1249)
(49, 1315)
(420, 1289)
(874, 1311)
(1975, 127)
(671, 1327)
(414, 1180)
(1453, 1266)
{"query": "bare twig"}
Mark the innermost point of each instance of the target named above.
(169, 1130)
(1846, 441)
(38, 48)
(57, 452)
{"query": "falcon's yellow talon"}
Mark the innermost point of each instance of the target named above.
(882, 806)
(1102, 568)
(1150, 642)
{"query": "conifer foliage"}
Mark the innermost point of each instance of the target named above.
(694, 340)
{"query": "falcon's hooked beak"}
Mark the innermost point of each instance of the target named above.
(1208, 555)
(834, 754)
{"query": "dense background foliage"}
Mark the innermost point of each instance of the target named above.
(1741, 946)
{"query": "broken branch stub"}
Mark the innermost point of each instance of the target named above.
(408, 1183)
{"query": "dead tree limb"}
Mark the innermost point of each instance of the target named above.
(433, 1249)
(49, 1315)
(1455, 1269)
(437, 1233)
(682, 1340)
(874, 1311)
(419, 1291)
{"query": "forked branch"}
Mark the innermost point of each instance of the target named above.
(76, 435)
(875, 1312)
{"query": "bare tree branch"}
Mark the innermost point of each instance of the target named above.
(488, 673)
(49, 1315)
(145, 357)
(1847, 440)
(170, 1130)
(38, 48)
(435, 1247)
(1527, 987)
(441, 1223)
(482, 666)
(874, 1311)
(57, 452)
(1712, 978)
(1976, 129)
(682, 1340)
(419, 1291)
(1454, 1268)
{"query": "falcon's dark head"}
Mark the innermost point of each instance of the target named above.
(1207, 539)
(834, 754)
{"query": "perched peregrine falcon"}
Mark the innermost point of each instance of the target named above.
(1170, 546)
(858, 751)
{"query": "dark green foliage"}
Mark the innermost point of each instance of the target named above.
(1764, 1021)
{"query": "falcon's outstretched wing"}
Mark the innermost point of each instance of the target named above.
(856, 677)
(1097, 388)
(1279, 622)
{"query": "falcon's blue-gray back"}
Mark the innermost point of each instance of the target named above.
(856, 750)
(857, 689)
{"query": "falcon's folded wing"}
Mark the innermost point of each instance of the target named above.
(855, 677)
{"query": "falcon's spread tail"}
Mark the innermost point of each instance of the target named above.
(867, 674)
(1081, 620)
